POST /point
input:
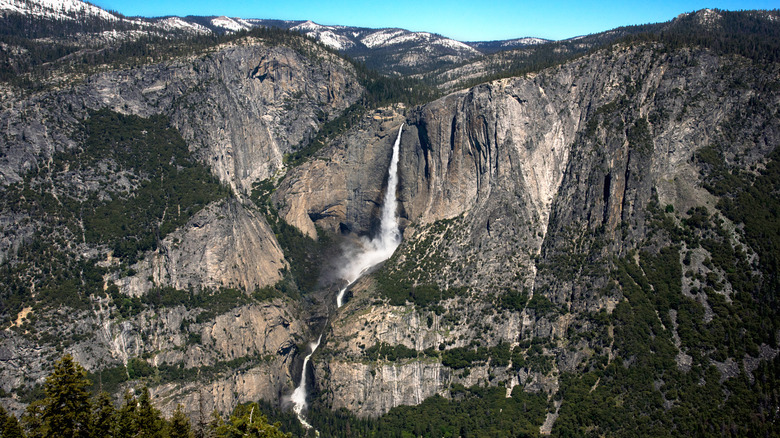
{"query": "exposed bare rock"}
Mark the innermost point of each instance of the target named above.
(241, 107)
(342, 188)
(265, 334)
(224, 245)
(369, 389)
(267, 381)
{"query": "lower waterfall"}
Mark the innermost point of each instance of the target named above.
(372, 252)
(299, 395)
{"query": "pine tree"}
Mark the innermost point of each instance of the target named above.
(9, 425)
(126, 417)
(32, 420)
(149, 423)
(215, 423)
(248, 421)
(180, 424)
(66, 408)
(103, 417)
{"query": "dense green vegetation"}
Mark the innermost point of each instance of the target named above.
(752, 34)
(472, 412)
(745, 33)
(412, 280)
(750, 199)
(60, 279)
(171, 186)
(68, 407)
(679, 322)
(390, 353)
(140, 371)
(400, 290)
(650, 388)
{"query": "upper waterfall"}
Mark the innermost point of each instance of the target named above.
(381, 246)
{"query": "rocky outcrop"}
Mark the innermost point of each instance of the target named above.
(371, 387)
(224, 245)
(261, 338)
(270, 380)
(240, 106)
(528, 188)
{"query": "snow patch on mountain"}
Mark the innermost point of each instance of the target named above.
(456, 45)
(231, 24)
(528, 41)
(334, 40)
(312, 26)
(377, 39)
(325, 34)
(56, 9)
(389, 37)
(176, 23)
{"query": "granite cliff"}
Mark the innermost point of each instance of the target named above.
(239, 107)
(602, 227)
(542, 184)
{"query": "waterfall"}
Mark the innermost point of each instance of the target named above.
(299, 395)
(382, 246)
(373, 251)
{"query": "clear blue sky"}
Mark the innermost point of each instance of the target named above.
(464, 20)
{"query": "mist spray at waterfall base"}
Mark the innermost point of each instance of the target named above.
(372, 252)
(383, 245)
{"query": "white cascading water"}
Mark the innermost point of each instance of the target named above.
(382, 246)
(374, 251)
(299, 395)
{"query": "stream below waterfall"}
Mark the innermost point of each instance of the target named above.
(372, 252)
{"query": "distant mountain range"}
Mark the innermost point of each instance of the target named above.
(390, 50)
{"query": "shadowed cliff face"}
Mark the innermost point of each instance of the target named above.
(341, 189)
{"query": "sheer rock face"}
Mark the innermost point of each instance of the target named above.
(343, 187)
(519, 174)
(224, 245)
(241, 109)
(265, 334)
(497, 184)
